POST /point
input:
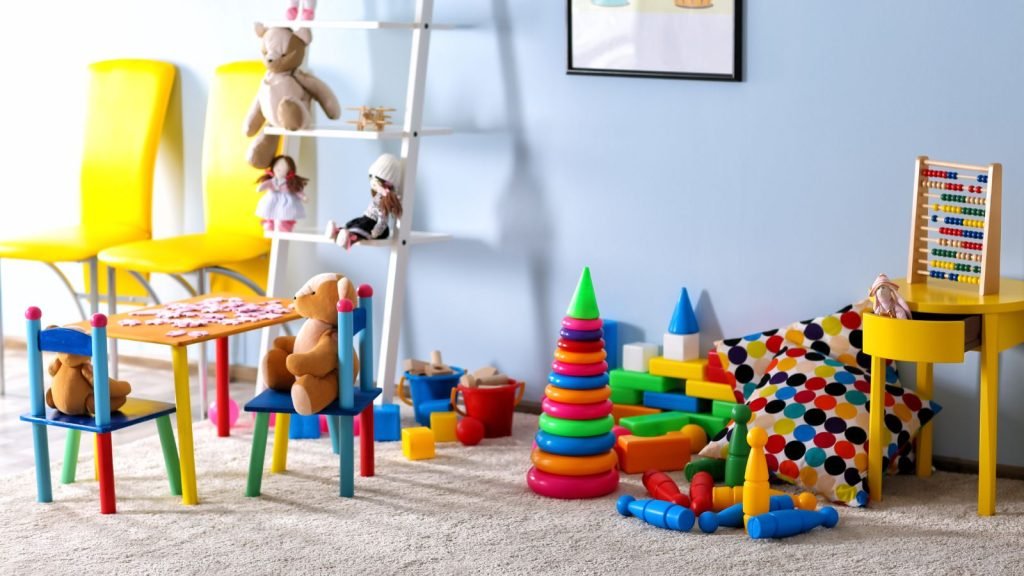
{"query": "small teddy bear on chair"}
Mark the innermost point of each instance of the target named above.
(307, 364)
(72, 392)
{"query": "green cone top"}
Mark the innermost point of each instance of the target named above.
(584, 302)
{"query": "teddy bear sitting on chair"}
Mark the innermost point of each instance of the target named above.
(307, 364)
(71, 391)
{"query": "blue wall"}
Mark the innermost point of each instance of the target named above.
(775, 199)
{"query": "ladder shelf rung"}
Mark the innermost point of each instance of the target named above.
(356, 25)
(349, 133)
(309, 237)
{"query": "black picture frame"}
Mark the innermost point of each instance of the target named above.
(736, 76)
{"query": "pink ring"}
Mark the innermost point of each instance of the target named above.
(576, 411)
(565, 369)
(577, 324)
(572, 487)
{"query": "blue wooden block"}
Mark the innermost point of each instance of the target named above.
(676, 402)
(304, 427)
(426, 408)
(387, 426)
(611, 343)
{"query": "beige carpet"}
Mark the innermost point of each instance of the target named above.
(467, 511)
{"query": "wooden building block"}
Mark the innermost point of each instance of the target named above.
(627, 396)
(642, 381)
(655, 424)
(710, 390)
(418, 443)
(443, 426)
(636, 356)
(722, 408)
(639, 454)
(620, 411)
(710, 423)
(691, 369)
(675, 401)
(681, 347)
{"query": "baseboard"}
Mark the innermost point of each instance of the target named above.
(236, 372)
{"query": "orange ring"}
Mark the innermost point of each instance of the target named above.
(580, 357)
(578, 396)
(573, 465)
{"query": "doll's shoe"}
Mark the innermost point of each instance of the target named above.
(308, 14)
(332, 230)
(291, 13)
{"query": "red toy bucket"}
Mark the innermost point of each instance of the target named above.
(492, 405)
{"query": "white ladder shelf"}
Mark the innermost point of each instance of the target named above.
(403, 237)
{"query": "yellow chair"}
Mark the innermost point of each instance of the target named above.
(233, 249)
(924, 342)
(127, 106)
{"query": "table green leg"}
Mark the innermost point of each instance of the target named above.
(258, 456)
(163, 426)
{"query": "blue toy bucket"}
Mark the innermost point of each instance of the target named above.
(425, 391)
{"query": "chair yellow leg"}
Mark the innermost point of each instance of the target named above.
(280, 459)
(989, 413)
(876, 418)
(183, 401)
(924, 436)
(95, 457)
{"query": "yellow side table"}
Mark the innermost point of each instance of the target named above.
(1002, 327)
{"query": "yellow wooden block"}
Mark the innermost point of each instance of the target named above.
(418, 443)
(627, 410)
(443, 425)
(688, 370)
(709, 390)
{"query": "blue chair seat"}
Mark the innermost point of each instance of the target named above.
(133, 412)
(281, 403)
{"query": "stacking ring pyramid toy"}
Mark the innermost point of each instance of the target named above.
(573, 457)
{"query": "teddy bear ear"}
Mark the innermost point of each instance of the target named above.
(304, 34)
(346, 290)
(260, 29)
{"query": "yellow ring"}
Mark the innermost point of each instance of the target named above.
(580, 357)
(578, 396)
(573, 465)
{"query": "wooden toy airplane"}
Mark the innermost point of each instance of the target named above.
(370, 118)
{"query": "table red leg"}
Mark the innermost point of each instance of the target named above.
(366, 441)
(105, 459)
(223, 427)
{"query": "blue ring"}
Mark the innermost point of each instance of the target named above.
(578, 382)
(581, 335)
(566, 446)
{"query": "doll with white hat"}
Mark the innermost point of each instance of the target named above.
(385, 203)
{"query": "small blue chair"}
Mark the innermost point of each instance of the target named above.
(351, 402)
(134, 411)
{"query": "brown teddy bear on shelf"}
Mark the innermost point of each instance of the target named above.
(71, 391)
(286, 94)
(307, 364)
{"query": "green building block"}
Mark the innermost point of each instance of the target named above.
(643, 381)
(722, 409)
(627, 396)
(709, 422)
(712, 466)
(655, 424)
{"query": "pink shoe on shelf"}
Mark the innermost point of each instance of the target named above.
(286, 225)
(291, 13)
(268, 225)
(308, 14)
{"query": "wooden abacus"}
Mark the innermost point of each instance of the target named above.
(955, 230)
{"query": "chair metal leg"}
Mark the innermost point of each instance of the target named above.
(75, 296)
(44, 488)
(105, 457)
(111, 311)
(279, 459)
(170, 450)
(94, 288)
(876, 419)
(366, 441)
(223, 398)
(346, 470)
(71, 443)
(259, 453)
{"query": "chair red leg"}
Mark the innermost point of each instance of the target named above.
(366, 441)
(223, 425)
(105, 459)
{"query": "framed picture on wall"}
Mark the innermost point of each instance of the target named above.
(695, 39)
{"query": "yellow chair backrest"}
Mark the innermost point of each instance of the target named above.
(127, 105)
(229, 182)
(914, 340)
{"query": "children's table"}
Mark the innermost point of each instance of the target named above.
(179, 357)
(1002, 327)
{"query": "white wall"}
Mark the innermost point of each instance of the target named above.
(775, 199)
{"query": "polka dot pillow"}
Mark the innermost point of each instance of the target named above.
(837, 335)
(747, 358)
(815, 410)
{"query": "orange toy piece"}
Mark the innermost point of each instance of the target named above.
(627, 410)
(756, 495)
(701, 486)
(567, 396)
(580, 357)
(640, 453)
(573, 465)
